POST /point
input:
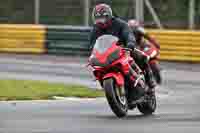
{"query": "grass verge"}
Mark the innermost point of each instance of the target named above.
(39, 90)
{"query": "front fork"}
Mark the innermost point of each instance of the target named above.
(135, 84)
(134, 74)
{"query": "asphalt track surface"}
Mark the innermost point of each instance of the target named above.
(178, 100)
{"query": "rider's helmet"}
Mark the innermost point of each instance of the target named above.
(102, 15)
(137, 29)
(133, 24)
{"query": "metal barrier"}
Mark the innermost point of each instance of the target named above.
(178, 45)
(22, 38)
(68, 40)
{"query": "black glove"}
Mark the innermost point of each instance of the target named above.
(131, 46)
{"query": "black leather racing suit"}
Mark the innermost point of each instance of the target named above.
(117, 28)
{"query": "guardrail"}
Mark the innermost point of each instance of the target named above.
(178, 45)
(68, 40)
(22, 38)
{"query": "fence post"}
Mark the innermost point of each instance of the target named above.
(86, 12)
(37, 11)
(139, 10)
(191, 14)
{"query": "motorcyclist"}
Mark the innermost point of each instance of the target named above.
(106, 23)
(140, 35)
(143, 39)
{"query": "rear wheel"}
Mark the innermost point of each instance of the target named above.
(148, 106)
(116, 97)
(156, 73)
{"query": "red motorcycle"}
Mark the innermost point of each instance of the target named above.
(110, 63)
(154, 54)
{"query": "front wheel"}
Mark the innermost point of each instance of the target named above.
(116, 97)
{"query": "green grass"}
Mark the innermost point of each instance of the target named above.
(37, 90)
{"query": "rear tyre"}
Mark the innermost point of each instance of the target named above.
(148, 106)
(156, 73)
(116, 99)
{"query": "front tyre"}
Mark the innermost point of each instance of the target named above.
(116, 97)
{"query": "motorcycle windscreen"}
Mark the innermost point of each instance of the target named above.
(105, 51)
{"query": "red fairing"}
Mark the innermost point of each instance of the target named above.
(122, 63)
(117, 76)
(154, 42)
(125, 61)
(103, 57)
(152, 51)
(98, 73)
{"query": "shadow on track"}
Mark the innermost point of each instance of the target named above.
(155, 118)
(129, 117)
